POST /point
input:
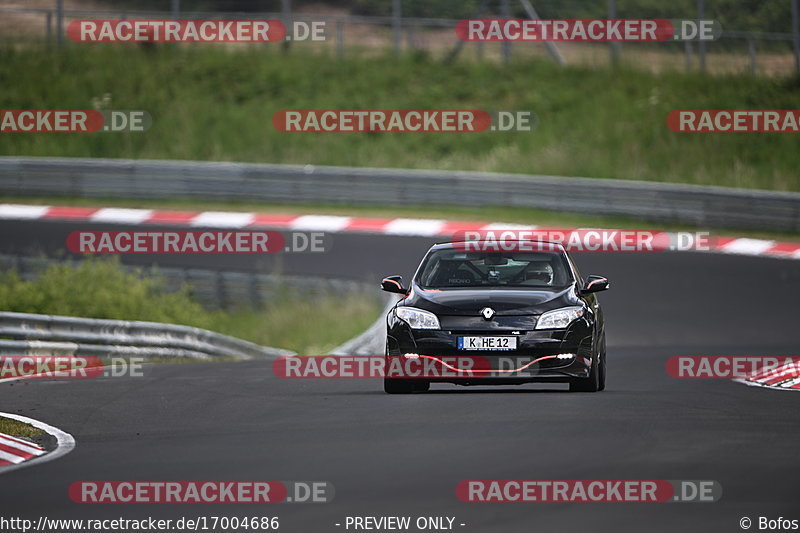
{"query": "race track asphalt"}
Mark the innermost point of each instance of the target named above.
(404, 455)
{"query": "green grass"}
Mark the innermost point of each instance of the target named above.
(18, 429)
(516, 215)
(293, 321)
(212, 103)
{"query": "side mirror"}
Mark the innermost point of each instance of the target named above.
(393, 284)
(595, 284)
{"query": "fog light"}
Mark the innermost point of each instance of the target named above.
(411, 356)
(565, 356)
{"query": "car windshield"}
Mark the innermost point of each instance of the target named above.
(449, 268)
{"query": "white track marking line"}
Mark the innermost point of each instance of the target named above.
(127, 216)
(222, 219)
(27, 448)
(12, 458)
(25, 212)
(399, 226)
(747, 246)
(415, 226)
(320, 223)
(495, 226)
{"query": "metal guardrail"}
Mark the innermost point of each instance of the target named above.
(707, 206)
(62, 335)
(371, 341)
(34, 334)
(213, 289)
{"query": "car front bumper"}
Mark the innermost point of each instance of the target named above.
(540, 356)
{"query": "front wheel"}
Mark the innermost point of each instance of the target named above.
(597, 375)
(590, 384)
(603, 365)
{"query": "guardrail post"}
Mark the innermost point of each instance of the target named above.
(255, 294)
(219, 286)
(397, 23)
(751, 50)
(176, 9)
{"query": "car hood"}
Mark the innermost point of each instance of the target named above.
(505, 302)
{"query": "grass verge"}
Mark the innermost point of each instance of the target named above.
(15, 428)
(213, 103)
(99, 288)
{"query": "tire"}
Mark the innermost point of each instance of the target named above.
(396, 386)
(603, 365)
(590, 384)
(594, 382)
(403, 385)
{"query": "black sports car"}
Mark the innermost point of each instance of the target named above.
(496, 317)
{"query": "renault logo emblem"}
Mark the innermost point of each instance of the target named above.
(487, 313)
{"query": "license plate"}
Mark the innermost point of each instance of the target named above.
(487, 343)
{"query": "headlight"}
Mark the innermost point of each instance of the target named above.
(559, 318)
(417, 318)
